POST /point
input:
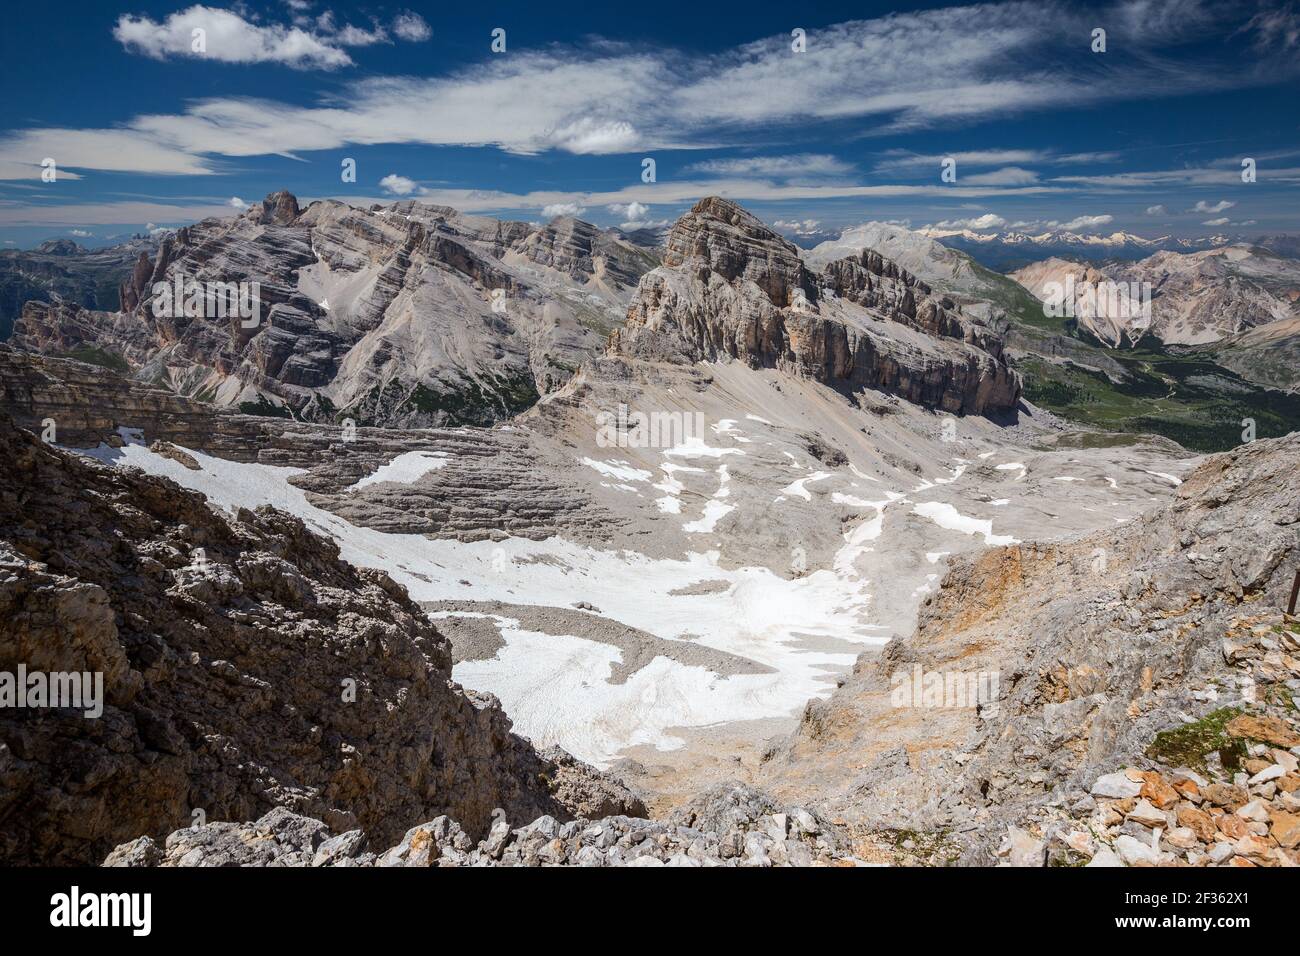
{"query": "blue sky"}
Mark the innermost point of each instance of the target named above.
(1146, 137)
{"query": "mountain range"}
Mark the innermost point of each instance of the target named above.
(656, 605)
(1006, 251)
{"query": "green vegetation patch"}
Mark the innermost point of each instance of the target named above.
(1186, 746)
(97, 356)
(266, 408)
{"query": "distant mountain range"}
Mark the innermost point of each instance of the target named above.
(1007, 251)
(63, 269)
(1224, 335)
(402, 314)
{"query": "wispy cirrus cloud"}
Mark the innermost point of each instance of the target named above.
(1007, 176)
(801, 166)
(905, 160)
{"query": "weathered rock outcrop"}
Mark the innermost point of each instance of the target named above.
(495, 482)
(87, 404)
(729, 825)
(406, 315)
(729, 287)
(1127, 648)
(244, 666)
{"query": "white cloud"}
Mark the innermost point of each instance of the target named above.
(588, 135)
(115, 150)
(981, 61)
(229, 37)
(398, 185)
(1216, 222)
(1007, 176)
(774, 167)
(633, 224)
(987, 221)
(901, 159)
(632, 210)
(81, 233)
(1085, 223)
(1156, 211)
(411, 27)
(1205, 207)
(234, 202)
(805, 227)
(562, 209)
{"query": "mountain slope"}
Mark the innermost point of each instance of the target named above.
(1199, 399)
(1195, 299)
(61, 269)
(244, 666)
(410, 314)
(1128, 647)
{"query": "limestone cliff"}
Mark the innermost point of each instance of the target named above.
(729, 287)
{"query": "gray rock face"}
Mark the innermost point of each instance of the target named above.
(403, 315)
(731, 288)
(730, 825)
(1195, 298)
(244, 667)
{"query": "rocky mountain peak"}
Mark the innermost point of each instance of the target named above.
(279, 208)
(719, 236)
(61, 247)
(730, 287)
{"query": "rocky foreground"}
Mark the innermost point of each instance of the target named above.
(728, 826)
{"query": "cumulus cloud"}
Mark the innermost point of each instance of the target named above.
(398, 185)
(1205, 207)
(632, 211)
(81, 233)
(411, 27)
(1086, 223)
(562, 209)
(1156, 210)
(228, 37)
(799, 227)
(1216, 222)
(234, 202)
(986, 221)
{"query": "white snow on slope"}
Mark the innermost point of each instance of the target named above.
(556, 689)
(622, 470)
(798, 488)
(404, 469)
(946, 516)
